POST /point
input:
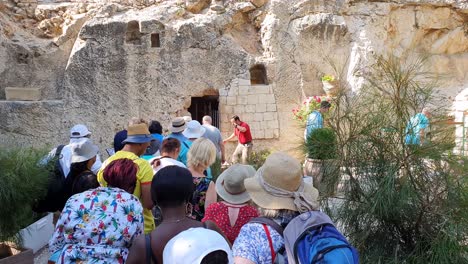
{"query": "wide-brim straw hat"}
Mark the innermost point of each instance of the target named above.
(194, 130)
(138, 133)
(178, 125)
(230, 184)
(282, 173)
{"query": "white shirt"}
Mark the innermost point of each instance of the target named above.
(166, 161)
(66, 155)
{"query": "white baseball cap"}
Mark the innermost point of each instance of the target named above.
(192, 245)
(79, 131)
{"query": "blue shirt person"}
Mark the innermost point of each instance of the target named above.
(315, 119)
(417, 127)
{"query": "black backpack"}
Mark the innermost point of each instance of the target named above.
(55, 197)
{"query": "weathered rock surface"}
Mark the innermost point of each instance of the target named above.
(107, 62)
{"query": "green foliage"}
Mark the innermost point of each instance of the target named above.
(256, 159)
(216, 169)
(23, 181)
(400, 203)
(328, 78)
(321, 144)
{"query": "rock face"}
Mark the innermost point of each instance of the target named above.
(101, 63)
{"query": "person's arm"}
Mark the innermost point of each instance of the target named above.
(146, 200)
(210, 195)
(223, 151)
(422, 135)
(145, 182)
(57, 242)
(137, 252)
(230, 137)
(241, 128)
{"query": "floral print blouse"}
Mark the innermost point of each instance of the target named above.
(97, 226)
(199, 197)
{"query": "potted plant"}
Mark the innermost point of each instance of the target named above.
(329, 85)
(23, 182)
(321, 162)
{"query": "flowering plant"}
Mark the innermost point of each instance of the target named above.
(310, 104)
(328, 78)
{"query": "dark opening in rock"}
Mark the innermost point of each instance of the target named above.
(258, 74)
(155, 40)
(133, 35)
(22, 58)
(206, 105)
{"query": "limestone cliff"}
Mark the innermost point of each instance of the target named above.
(101, 62)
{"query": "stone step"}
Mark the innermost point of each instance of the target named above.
(22, 94)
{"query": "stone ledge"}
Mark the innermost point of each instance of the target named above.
(22, 94)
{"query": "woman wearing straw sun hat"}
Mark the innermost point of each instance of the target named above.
(280, 194)
(232, 213)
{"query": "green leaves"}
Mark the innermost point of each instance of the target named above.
(23, 181)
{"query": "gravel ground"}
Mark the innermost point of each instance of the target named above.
(41, 256)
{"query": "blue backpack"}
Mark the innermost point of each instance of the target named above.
(312, 238)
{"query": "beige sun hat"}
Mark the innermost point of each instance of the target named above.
(230, 184)
(278, 184)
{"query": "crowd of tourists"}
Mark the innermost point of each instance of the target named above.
(243, 216)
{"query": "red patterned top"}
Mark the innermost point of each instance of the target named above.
(219, 213)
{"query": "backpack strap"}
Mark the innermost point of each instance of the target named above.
(186, 145)
(149, 250)
(58, 168)
(269, 222)
(270, 242)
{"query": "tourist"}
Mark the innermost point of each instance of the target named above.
(178, 126)
(232, 213)
(78, 133)
(280, 194)
(193, 132)
(201, 155)
(242, 132)
(416, 129)
(315, 118)
(169, 152)
(155, 129)
(197, 246)
(81, 178)
(212, 133)
(99, 225)
(122, 135)
(138, 139)
(172, 189)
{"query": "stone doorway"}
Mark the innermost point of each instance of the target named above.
(206, 105)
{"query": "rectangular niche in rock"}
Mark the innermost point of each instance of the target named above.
(155, 40)
(258, 74)
(133, 34)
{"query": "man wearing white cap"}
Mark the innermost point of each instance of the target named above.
(78, 134)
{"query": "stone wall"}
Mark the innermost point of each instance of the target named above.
(98, 61)
(254, 104)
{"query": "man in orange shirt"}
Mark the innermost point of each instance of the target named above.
(242, 132)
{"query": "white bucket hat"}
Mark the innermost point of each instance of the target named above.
(194, 130)
(230, 184)
(178, 125)
(192, 245)
(83, 151)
